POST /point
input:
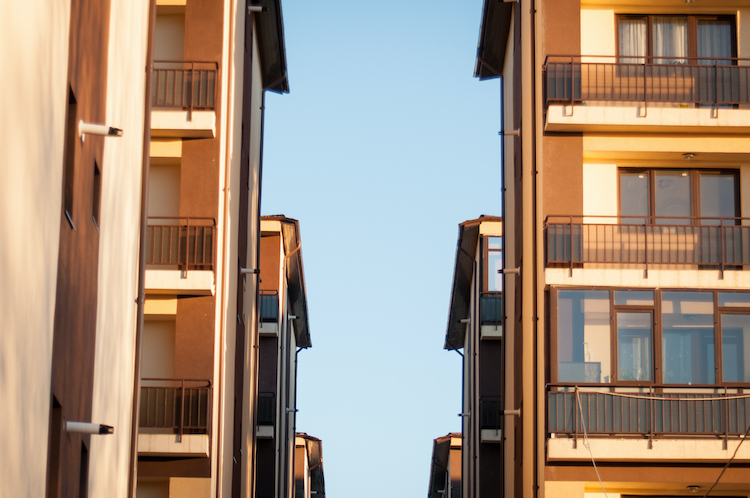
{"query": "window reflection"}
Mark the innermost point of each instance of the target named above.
(688, 338)
(634, 346)
(583, 344)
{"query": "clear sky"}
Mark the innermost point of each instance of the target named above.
(384, 145)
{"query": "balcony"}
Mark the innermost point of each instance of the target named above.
(697, 243)
(491, 313)
(269, 312)
(180, 255)
(490, 419)
(183, 99)
(175, 417)
(266, 415)
(598, 93)
(693, 424)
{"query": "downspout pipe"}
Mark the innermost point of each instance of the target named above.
(141, 298)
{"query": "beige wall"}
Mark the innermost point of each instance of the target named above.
(164, 188)
(118, 249)
(187, 487)
(35, 37)
(157, 352)
(169, 43)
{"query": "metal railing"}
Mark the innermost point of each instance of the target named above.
(491, 309)
(269, 306)
(690, 80)
(190, 85)
(490, 413)
(708, 242)
(184, 243)
(266, 408)
(181, 405)
(650, 413)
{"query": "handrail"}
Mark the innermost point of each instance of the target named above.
(711, 81)
(185, 242)
(705, 241)
(190, 87)
(178, 406)
(654, 413)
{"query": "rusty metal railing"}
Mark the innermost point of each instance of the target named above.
(629, 240)
(182, 406)
(183, 243)
(190, 85)
(709, 81)
(652, 413)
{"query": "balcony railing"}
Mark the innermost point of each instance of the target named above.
(187, 85)
(182, 243)
(650, 413)
(266, 408)
(491, 309)
(712, 243)
(490, 413)
(269, 306)
(710, 82)
(180, 406)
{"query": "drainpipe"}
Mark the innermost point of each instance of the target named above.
(140, 300)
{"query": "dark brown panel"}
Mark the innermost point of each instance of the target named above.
(563, 174)
(561, 26)
(265, 468)
(199, 178)
(74, 338)
(204, 20)
(270, 262)
(491, 470)
(180, 467)
(268, 365)
(194, 338)
(490, 368)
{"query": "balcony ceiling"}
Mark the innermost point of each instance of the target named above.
(667, 6)
(673, 159)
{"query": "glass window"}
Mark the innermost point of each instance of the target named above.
(734, 299)
(583, 340)
(634, 298)
(672, 196)
(634, 346)
(634, 196)
(714, 40)
(735, 347)
(718, 194)
(670, 39)
(494, 264)
(633, 39)
(688, 355)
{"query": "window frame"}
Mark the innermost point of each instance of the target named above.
(695, 192)
(656, 338)
(692, 33)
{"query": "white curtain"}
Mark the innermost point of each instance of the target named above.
(714, 40)
(633, 41)
(670, 39)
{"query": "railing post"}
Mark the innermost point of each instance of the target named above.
(572, 83)
(645, 89)
(570, 243)
(192, 89)
(576, 411)
(722, 248)
(726, 417)
(716, 88)
(182, 412)
(187, 246)
(651, 416)
(645, 247)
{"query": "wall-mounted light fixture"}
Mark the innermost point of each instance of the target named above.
(249, 271)
(95, 129)
(88, 428)
(688, 156)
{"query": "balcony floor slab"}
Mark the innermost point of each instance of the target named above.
(192, 445)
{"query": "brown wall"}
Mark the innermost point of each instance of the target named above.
(76, 294)
(194, 338)
(563, 174)
(199, 178)
(268, 365)
(562, 154)
(204, 21)
(270, 260)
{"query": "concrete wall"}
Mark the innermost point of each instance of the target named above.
(31, 154)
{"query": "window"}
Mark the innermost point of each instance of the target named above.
(675, 337)
(678, 196)
(491, 309)
(676, 39)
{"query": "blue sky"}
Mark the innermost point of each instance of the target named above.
(385, 143)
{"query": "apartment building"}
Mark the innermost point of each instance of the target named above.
(198, 383)
(309, 480)
(625, 189)
(475, 326)
(284, 333)
(445, 469)
(69, 225)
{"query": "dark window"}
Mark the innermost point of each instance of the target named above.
(679, 196)
(676, 39)
(96, 195)
(71, 134)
